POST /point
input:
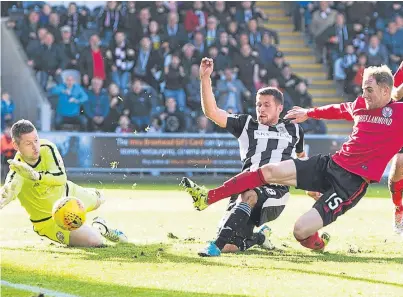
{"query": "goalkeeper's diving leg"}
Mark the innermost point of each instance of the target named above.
(92, 199)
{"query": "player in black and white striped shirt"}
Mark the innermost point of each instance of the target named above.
(265, 140)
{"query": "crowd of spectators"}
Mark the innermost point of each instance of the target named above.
(349, 36)
(134, 66)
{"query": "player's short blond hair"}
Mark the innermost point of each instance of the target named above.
(382, 75)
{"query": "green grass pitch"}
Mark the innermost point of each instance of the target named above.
(364, 257)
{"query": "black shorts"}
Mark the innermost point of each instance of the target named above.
(341, 189)
(271, 201)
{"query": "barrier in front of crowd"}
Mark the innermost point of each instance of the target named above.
(159, 153)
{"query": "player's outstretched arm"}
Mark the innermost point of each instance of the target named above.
(342, 111)
(55, 174)
(208, 102)
(11, 188)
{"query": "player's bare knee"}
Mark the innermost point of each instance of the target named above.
(300, 230)
(268, 171)
(249, 197)
(396, 171)
(95, 241)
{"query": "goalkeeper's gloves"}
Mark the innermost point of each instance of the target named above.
(24, 170)
(7, 193)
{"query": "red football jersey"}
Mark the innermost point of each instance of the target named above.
(377, 136)
(399, 76)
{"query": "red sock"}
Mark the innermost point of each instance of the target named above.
(246, 180)
(396, 189)
(313, 242)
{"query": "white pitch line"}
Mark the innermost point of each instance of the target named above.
(35, 289)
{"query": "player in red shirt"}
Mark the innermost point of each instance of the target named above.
(396, 172)
(343, 177)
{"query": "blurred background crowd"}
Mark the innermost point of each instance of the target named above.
(134, 66)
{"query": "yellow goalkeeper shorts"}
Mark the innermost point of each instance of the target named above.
(48, 226)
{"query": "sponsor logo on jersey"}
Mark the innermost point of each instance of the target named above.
(375, 119)
(273, 135)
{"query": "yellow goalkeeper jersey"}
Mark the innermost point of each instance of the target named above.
(38, 197)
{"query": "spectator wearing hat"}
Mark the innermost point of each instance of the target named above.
(69, 48)
(274, 71)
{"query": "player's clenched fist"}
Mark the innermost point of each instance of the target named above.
(206, 67)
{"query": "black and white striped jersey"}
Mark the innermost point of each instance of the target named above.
(260, 144)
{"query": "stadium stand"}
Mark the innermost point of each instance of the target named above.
(146, 56)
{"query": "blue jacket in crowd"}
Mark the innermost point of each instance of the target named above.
(64, 107)
(5, 110)
(97, 105)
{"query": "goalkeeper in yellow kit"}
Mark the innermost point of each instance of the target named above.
(37, 177)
